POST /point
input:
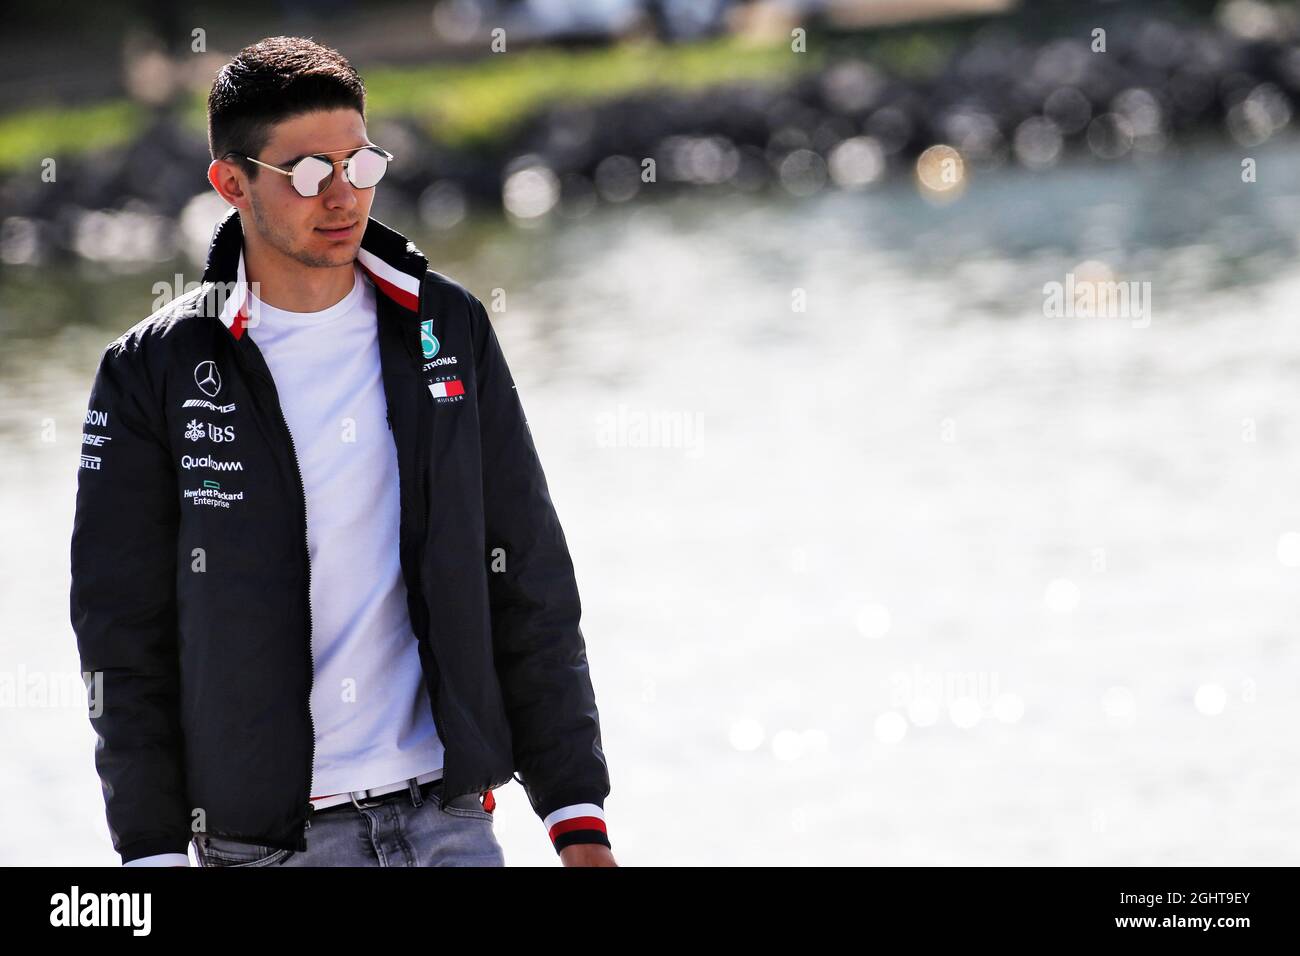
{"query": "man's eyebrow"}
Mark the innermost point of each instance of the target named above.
(346, 149)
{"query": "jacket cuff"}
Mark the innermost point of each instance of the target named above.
(153, 847)
(161, 859)
(576, 823)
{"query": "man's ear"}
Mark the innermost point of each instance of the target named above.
(217, 177)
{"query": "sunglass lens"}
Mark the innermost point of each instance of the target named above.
(367, 167)
(311, 174)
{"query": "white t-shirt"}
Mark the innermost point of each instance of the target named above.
(369, 701)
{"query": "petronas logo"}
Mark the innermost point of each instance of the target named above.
(427, 340)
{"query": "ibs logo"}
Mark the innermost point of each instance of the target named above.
(196, 430)
(428, 342)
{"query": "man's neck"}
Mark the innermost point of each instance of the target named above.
(285, 283)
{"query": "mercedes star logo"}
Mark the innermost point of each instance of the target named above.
(208, 378)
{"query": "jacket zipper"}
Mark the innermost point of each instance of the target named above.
(412, 343)
(311, 656)
(422, 427)
(306, 553)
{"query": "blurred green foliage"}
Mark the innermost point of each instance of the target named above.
(460, 104)
(33, 134)
(478, 102)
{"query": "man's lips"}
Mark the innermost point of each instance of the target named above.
(337, 232)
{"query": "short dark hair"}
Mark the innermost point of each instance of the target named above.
(270, 81)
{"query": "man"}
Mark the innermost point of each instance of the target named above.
(315, 563)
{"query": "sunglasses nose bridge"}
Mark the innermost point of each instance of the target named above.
(352, 172)
(328, 181)
(349, 173)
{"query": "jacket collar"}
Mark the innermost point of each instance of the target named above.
(392, 262)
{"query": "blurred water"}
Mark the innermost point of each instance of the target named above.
(923, 576)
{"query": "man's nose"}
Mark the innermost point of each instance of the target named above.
(339, 193)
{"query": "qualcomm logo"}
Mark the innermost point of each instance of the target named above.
(428, 342)
(207, 378)
(207, 461)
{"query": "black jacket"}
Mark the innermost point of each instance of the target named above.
(190, 569)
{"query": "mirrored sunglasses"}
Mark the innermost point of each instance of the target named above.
(312, 175)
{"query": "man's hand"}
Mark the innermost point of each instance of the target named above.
(587, 854)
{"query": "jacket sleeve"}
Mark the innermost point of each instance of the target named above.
(123, 607)
(541, 657)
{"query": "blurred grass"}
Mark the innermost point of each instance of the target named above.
(58, 131)
(479, 102)
(461, 104)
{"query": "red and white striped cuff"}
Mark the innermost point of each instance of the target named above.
(576, 823)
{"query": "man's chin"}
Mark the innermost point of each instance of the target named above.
(327, 259)
(336, 250)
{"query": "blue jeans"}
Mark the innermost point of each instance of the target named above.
(406, 828)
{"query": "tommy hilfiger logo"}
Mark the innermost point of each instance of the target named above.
(449, 389)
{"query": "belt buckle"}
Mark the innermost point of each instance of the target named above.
(365, 795)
